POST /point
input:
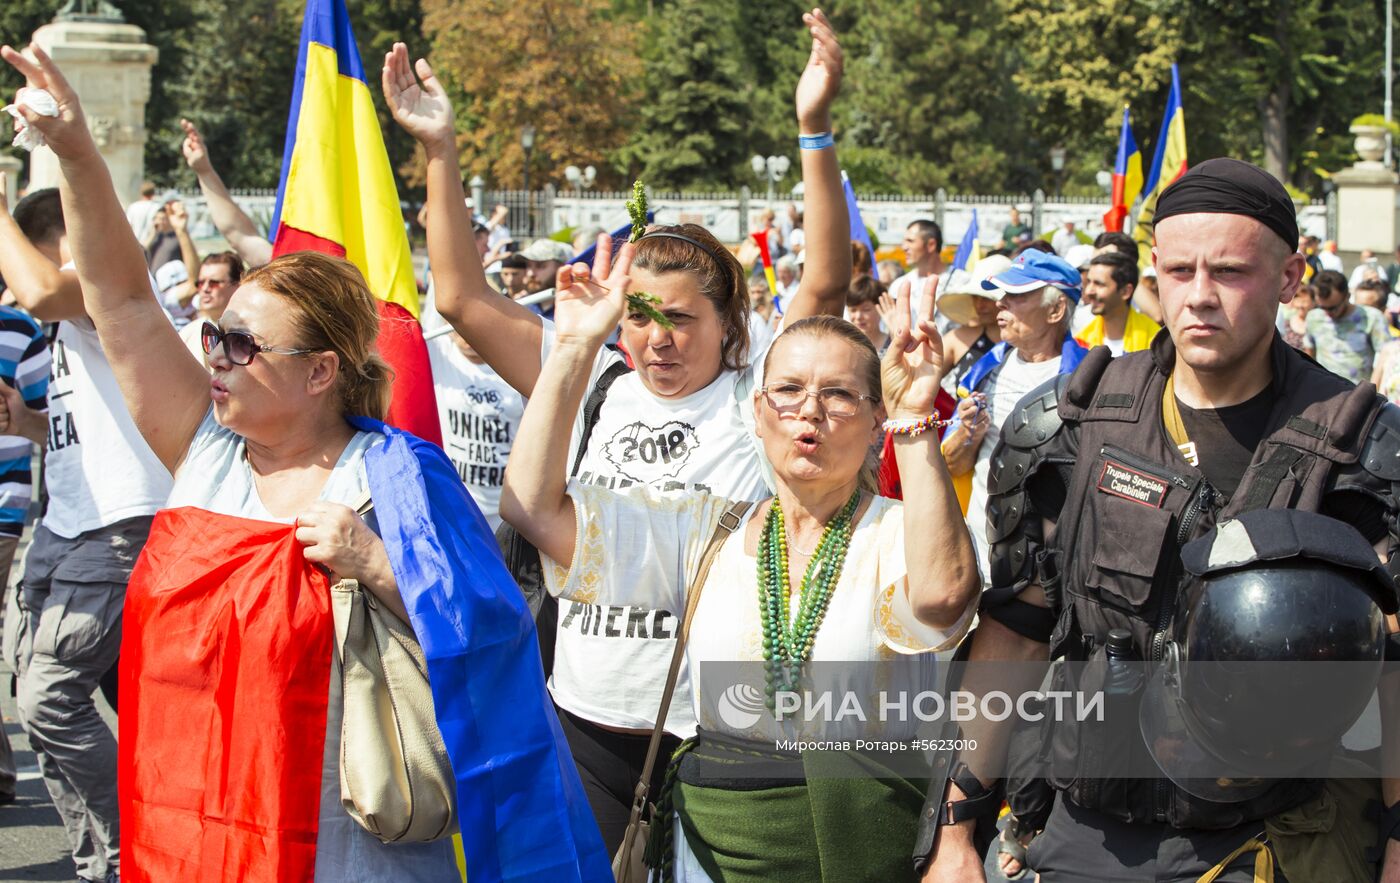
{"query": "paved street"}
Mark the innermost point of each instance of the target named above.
(32, 845)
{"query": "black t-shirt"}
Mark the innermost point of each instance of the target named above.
(1226, 438)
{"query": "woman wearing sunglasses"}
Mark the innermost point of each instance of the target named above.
(822, 571)
(680, 422)
(279, 434)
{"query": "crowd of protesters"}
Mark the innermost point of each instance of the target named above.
(854, 409)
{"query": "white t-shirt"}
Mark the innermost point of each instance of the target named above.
(610, 661)
(98, 468)
(480, 414)
(141, 215)
(640, 547)
(917, 281)
(760, 333)
(1004, 390)
(1114, 346)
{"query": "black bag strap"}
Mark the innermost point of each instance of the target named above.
(593, 405)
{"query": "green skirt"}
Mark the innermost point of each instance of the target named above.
(839, 817)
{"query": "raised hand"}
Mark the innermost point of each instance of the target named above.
(885, 307)
(196, 154)
(179, 215)
(588, 303)
(422, 107)
(821, 79)
(913, 364)
(67, 134)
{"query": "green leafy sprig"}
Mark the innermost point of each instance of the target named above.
(640, 301)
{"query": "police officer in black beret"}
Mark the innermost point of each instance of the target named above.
(1101, 479)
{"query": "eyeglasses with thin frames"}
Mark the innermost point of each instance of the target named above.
(835, 401)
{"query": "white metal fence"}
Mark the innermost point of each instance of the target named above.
(730, 216)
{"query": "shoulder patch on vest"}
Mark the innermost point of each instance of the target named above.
(1115, 400)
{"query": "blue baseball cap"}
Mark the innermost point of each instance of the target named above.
(1033, 270)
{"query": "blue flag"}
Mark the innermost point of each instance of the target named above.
(520, 805)
(858, 231)
(967, 246)
(619, 236)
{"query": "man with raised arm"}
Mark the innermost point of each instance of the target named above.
(233, 223)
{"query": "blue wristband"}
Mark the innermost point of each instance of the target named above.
(816, 142)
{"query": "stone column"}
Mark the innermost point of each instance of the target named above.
(109, 63)
(1368, 201)
(11, 166)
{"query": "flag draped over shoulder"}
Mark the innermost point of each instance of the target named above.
(859, 233)
(226, 652)
(337, 195)
(969, 250)
(226, 657)
(1127, 177)
(1168, 164)
(521, 807)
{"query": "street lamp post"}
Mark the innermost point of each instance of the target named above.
(1389, 46)
(772, 170)
(1057, 162)
(581, 181)
(527, 143)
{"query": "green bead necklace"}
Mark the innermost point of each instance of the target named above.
(787, 643)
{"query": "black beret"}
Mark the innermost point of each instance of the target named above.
(1231, 187)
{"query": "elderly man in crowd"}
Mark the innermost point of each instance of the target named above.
(1035, 299)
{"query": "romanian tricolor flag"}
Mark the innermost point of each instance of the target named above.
(1168, 164)
(226, 660)
(765, 255)
(337, 195)
(969, 250)
(1127, 177)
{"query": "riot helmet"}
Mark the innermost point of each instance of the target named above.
(1274, 652)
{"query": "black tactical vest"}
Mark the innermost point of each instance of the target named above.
(1133, 501)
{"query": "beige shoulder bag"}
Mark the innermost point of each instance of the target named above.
(628, 864)
(395, 778)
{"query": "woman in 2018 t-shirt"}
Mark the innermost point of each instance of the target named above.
(676, 424)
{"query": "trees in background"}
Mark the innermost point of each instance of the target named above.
(939, 93)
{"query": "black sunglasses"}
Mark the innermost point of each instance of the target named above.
(239, 346)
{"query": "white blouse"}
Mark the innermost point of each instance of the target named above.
(640, 547)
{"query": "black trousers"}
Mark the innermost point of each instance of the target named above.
(610, 764)
(1083, 846)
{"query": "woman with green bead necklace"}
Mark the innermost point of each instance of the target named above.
(820, 572)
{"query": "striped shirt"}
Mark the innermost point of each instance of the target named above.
(24, 365)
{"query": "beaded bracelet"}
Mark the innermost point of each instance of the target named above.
(915, 427)
(816, 142)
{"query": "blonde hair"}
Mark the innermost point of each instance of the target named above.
(869, 358)
(335, 312)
